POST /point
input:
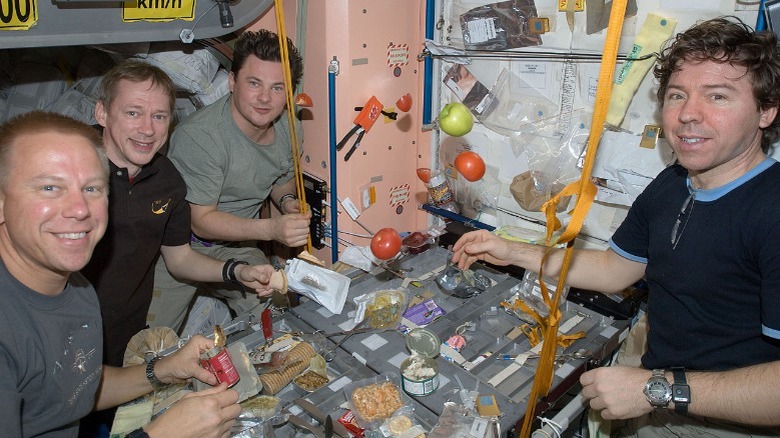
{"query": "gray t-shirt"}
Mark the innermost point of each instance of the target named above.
(51, 353)
(223, 167)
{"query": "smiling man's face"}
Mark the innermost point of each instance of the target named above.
(136, 124)
(53, 204)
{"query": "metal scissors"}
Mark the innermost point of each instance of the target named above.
(365, 119)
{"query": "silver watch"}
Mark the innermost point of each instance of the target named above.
(153, 380)
(658, 390)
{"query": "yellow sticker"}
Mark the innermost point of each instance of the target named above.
(158, 10)
(650, 136)
(578, 5)
(18, 14)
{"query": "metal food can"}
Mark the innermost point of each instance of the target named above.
(420, 371)
(217, 360)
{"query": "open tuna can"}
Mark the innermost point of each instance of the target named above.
(420, 372)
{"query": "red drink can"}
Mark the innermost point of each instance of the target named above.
(217, 360)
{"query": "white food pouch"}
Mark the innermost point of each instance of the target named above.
(322, 285)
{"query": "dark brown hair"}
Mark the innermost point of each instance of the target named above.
(264, 44)
(728, 39)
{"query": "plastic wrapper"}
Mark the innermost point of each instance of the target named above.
(322, 285)
(382, 309)
(553, 148)
(462, 283)
(315, 376)
(417, 242)
(375, 399)
(499, 26)
(402, 424)
(248, 426)
(261, 406)
(455, 421)
(515, 104)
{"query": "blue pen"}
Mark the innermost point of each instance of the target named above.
(505, 357)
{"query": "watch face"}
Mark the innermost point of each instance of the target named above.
(658, 391)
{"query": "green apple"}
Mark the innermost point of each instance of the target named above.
(455, 119)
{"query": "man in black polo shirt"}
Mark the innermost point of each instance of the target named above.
(148, 214)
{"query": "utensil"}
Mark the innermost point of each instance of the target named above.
(328, 427)
(331, 354)
(305, 425)
(315, 412)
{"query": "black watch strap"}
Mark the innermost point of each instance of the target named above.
(681, 392)
(229, 271)
(138, 433)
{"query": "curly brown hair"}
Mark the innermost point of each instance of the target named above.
(265, 45)
(728, 39)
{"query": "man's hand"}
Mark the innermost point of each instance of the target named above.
(257, 278)
(481, 245)
(617, 391)
(290, 205)
(204, 414)
(185, 363)
(292, 229)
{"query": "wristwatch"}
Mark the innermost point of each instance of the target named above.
(153, 380)
(658, 390)
(681, 392)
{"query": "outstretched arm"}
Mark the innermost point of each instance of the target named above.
(184, 262)
(599, 270)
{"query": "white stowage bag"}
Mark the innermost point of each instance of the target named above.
(322, 285)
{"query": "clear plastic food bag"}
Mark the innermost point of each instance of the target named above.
(383, 309)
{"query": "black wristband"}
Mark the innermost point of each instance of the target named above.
(681, 392)
(229, 271)
(225, 268)
(138, 433)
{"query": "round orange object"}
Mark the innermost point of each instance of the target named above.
(424, 174)
(470, 165)
(385, 244)
(404, 103)
(303, 99)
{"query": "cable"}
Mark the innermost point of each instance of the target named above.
(553, 56)
(188, 35)
(288, 89)
(364, 236)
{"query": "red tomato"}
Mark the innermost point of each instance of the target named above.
(385, 244)
(470, 165)
(424, 174)
(303, 99)
(404, 103)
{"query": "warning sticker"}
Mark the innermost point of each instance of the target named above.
(399, 195)
(397, 55)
